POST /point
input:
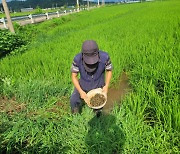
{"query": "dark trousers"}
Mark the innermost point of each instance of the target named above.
(75, 100)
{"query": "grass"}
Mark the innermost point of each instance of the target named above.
(142, 39)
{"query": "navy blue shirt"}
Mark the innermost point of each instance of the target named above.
(89, 81)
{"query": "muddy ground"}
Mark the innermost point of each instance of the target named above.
(117, 92)
(10, 106)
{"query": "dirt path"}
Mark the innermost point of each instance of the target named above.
(117, 93)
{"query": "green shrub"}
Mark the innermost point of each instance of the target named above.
(10, 42)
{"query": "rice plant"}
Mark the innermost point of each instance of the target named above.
(142, 39)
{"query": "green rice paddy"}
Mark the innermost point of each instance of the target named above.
(142, 39)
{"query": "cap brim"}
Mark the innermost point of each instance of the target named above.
(91, 59)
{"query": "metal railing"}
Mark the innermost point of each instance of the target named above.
(31, 17)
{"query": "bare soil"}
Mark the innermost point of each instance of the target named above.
(97, 100)
(117, 92)
(60, 107)
(10, 106)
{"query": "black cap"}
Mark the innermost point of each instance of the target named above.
(90, 52)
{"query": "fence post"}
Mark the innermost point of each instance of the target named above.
(88, 5)
(57, 13)
(30, 16)
(77, 4)
(4, 23)
(47, 16)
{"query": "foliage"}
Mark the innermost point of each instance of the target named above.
(10, 42)
(17, 5)
(38, 10)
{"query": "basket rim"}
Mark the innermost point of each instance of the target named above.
(91, 93)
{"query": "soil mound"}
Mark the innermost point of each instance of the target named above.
(97, 100)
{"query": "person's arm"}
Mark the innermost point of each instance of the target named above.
(108, 76)
(75, 81)
(107, 81)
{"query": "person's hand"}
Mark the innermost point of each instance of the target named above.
(105, 89)
(83, 95)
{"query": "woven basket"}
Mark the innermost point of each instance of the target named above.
(92, 93)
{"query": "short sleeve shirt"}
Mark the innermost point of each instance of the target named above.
(93, 80)
(75, 67)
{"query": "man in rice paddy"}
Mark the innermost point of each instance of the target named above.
(95, 69)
